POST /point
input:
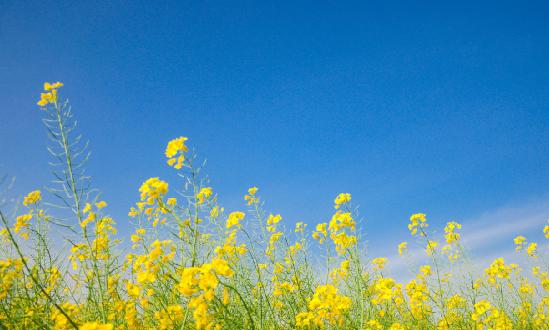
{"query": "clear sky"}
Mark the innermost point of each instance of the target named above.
(416, 107)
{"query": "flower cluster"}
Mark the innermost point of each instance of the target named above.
(326, 307)
(499, 270)
(341, 199)
(175, 152)
(418, 221)
(51, 94)
(200, 283)
(32, 198)
(251, 197)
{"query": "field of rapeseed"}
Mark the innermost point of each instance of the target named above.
(191, 264)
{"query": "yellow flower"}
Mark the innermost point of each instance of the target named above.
(300, 227)
(137, 237)
(87, 208)
(274, 219)
(221, 267)
(526, 287)
(384, 290)
(379, 263)
(21, 222)
(96, 326)
(321, 233)
(153, 189)
(341, 220)
(234, 219)
(456, 301)
(519, 242)
(373, 325)
(252, 191)
(275, 237)
(175, 152)
(418, 293)
(251, 198)
(396, 326)
(51, 86)
(497, 269)
(133, 290)
(402, 247)
(425, 270)
(341, 199)
(451, 235)
(51, 95)
(204, 194)
(326, 306)
(101, 205)
(418, 221)
(32, 198)
(481, 308)
(90, 218)
(531, 250)
(168, 316)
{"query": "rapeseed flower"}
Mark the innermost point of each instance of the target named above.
(519, 242)
(51, 94)
(342, 199)
(251, 197)
(418, 221)
(402, 247)
(204, 194)
(175, 152)
(379, 263)
(96, 326)
(32, 198)
(234, 219)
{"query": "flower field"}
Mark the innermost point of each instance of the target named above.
(192, 264)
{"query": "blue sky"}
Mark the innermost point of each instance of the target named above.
(419, 107)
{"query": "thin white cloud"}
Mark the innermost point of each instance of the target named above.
(492, 227)
(488, 235)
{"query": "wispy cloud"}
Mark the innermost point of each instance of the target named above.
(491, 228)
(489, 235)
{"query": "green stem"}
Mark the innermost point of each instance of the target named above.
(12, 239)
